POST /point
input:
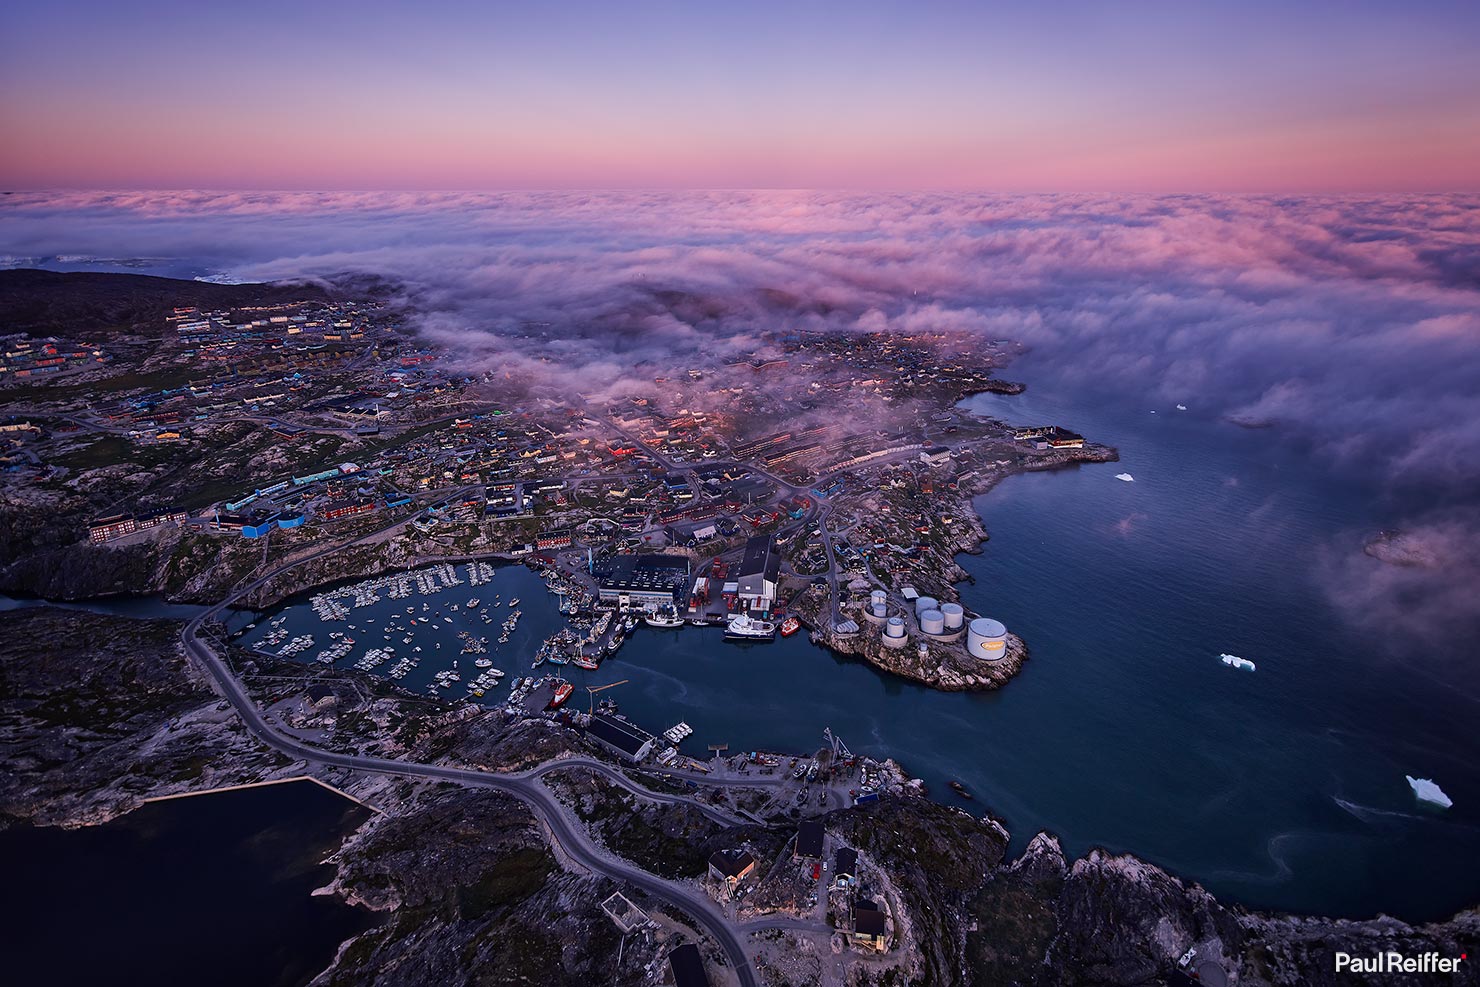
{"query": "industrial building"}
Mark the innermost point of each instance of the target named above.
(620, 737)
(757, 578)
(643, 582)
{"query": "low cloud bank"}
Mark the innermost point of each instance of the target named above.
(1352, 322)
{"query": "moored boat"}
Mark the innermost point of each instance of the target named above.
(790, 626)
(562, 693)
(663, 617)
(743, 627)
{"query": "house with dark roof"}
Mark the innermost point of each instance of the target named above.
(729, 867)
(688, 967)
(869, 925)
(809, 841)
(321, 696)
(845, 867)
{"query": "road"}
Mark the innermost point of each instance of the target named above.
(573, 840)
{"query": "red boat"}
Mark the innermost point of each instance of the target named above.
(790, 626)
(562, 693)
(588, 664)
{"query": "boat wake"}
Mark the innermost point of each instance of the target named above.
(1371, 814)
(1282, 868)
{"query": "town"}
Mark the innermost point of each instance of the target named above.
(350, 488)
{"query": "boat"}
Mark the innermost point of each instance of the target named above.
(1126, 477)
(743, 627)
(1234, 661)
(562, 693)
(663, 617)
(959, 789)
(589, 664)
(790, 626)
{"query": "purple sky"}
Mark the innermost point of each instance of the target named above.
(1156, 96)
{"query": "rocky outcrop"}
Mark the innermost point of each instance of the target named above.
(943, 666)
(98, 713)
(472, 894)
(1116, 920)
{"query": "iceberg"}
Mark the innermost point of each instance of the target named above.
(1234, 661)
(1181, 407)
(1429, 792)
(1126, 477)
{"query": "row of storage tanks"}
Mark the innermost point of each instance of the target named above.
(985, 638)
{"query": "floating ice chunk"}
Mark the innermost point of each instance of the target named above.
(1429, 792)
(1234, 661)
(1126, 477)
(1181, 407)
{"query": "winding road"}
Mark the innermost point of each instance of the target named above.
(525, 786)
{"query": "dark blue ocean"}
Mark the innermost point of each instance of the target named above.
(1282, 788)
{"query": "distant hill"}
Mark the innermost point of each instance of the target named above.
(92, 305)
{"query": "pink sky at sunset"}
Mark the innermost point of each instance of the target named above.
(1250, 97)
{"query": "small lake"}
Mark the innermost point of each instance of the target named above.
(211, 889)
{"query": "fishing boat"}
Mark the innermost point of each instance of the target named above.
(562, 693)
(790, 626)
(743, 627)
(663, 617)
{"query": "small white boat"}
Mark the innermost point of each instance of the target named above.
(1234, 661)
(1126, 477)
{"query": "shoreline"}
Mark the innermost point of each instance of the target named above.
(945, 666)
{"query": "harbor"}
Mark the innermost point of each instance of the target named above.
(1133, 711)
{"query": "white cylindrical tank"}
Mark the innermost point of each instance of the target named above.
(924, 603)
(932, 622)
(954, 615)
(986, 639)
(924, 650)
(878, 596)
(895, 627)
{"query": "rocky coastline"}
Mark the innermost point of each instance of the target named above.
(945, 665)
(100, 713)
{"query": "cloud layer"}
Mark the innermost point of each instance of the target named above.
(1353, 322)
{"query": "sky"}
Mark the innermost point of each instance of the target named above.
(1314, 96)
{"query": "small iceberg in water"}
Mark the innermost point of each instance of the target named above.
(1427, 791)
(1181, 407)
(1126, 477)
(1234, 661)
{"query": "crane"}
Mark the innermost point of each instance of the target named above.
(594, 689)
